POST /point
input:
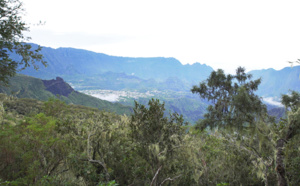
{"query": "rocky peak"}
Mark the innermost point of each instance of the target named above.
(58, 86)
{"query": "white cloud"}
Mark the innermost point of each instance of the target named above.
(223, 34)
(272, 101)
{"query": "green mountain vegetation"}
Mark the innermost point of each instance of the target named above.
(86, 70)
(190, 106)
(192, 109)
(239, 110)
(53, 141)
(22, 86)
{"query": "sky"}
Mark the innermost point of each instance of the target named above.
(255, 34)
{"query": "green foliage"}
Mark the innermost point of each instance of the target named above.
(54, 107)
(234, 103)
(189, 106)
(60, 144)
(291, 101)
(23, 106)
(28, 87)
(292, 160)
(288, 132)
(30, 149)
(12, 41)
(111, 183)
(53, 143)
(222, 184)
(149, 126)
(22, 86)
(158, 138)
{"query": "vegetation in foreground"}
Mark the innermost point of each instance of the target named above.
(51, 143)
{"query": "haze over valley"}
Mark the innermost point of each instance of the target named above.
(125, 79)
(183, 93)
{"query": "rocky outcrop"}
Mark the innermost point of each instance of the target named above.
(58, 86)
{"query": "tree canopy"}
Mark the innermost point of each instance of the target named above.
(52, 143)
(234, 102)
(13, 41)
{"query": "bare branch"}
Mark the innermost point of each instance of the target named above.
(170, 179)
(90, 159)
(154, 178)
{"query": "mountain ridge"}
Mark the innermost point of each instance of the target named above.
(58, 86)
(64, 62)
(90, 68)
(277, 82)
(23, 86)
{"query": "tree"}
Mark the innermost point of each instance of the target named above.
(31, 150)
(291, 101)
(12, 41)
(235, 104)
(158, 138)
(290, 131)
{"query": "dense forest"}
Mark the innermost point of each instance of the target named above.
(57, 142)
(52, 143)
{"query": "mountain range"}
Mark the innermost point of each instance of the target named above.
(89, 70)
(86, 70)
(277, 82)
(66, 62)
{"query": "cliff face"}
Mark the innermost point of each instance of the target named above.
(58, 86)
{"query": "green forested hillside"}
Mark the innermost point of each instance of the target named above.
(237, 142)
(23, 86)
(88, 69)
(54, 139)
(51, 143)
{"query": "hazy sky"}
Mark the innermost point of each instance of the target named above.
(224, 34)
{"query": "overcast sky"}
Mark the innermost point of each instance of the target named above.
(256, 34)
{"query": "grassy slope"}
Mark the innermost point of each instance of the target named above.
(23, 86)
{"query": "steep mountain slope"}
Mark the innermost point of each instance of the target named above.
(274, 83)
(23, 86)
(67, 62)
(121, 81)
(58, 86)
(96, 70)
(86, 70)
